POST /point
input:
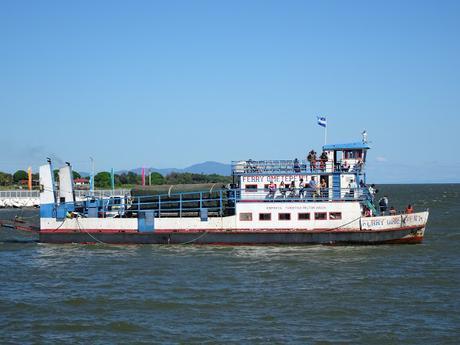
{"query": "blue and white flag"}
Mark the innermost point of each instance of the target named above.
(322, 121)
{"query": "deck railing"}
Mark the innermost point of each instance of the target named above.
(216, 203)
(305, 194)
(292, 166)
(11, 194)
(222, 202)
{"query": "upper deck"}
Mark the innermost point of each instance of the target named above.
(274, 167)
(342, 158)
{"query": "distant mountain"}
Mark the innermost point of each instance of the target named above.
(209, 167)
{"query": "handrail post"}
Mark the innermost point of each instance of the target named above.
(159, 206)
(220, 203)
(201, 200)
(180, 205)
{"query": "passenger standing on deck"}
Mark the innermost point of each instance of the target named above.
(323, 160)
(372, 191)
(292, 189)
(323, 188)
(409, 209)
(352, 187)
(383, 205)
(359, 165)
(283, 189)
(296, 166)
(312, 187)
(392, 211)
(312, 159)
(301, 188)
(271, 190)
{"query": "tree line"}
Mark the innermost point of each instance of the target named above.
(103, 179)
(7, 179)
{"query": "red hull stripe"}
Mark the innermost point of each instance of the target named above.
(408, 240)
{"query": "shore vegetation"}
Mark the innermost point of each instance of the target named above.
(103, 179)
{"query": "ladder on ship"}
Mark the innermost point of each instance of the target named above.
(371, 206)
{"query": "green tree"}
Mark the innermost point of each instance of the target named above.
(102, 180)
(121, 179)
(6, 179)
(76, 174)
(20, 175)
(157, 178)
(133, 178)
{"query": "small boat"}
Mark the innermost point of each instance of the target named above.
(312, 201)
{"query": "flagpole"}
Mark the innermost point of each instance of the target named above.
(325, 134)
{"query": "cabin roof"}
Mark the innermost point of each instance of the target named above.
(348, 146)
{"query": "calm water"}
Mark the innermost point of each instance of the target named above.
(191, 295)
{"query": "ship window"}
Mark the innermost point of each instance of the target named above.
(265, 216)
(251, 188)
(304, 216)
(335, 215)
(246, 216)
(284, 216)
(320, 215)
(353, 154)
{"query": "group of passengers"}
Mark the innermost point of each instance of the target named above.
(383, 205)
(345, 166)
(319, 164)
(315, 164)
(312, 189)
(313, 160)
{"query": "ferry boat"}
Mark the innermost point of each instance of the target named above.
(316, 201)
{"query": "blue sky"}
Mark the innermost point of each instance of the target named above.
(173, 83)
